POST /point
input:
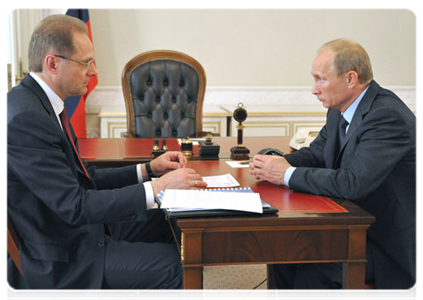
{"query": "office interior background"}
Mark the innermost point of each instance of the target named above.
(260, 57)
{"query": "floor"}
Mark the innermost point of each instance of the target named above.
(235, 277)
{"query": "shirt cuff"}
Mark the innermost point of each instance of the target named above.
(288, 174)
(139, 173)
(149, 195)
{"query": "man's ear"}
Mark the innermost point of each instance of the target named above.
(352, 78)
(50, 62)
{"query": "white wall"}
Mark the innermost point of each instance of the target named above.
(255, 47)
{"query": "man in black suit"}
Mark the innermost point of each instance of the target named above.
(58, 205)
(366, 153)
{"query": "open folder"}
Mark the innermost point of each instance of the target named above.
(216, 202)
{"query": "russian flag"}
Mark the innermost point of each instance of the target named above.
(75, 106)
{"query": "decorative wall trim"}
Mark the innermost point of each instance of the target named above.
(292, 106)
(294, 99)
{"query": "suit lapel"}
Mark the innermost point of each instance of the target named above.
(332, 147)
(33, 85)
(362, 109)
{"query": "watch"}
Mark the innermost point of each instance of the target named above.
(149, 171)
(157, 200)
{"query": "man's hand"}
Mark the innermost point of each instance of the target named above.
(167, 162)
(270, 168)
(183, 178)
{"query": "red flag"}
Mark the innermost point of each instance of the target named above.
(75, 106)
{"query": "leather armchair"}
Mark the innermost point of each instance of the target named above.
(164, 94)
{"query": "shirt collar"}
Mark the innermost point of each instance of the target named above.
(55, 100)
(349, 113)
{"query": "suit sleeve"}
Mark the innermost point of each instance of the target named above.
(310, 156)
(383, 139)
(36, 158)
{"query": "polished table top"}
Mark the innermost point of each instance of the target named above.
(109, 152)
(291, 204)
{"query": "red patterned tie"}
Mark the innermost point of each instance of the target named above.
(65, 122)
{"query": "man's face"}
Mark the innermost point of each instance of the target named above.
(331, 89)
(73, 77)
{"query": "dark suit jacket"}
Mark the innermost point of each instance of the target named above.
(57, 211)
(375, 168)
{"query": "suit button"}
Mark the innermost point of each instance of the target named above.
(100, 244)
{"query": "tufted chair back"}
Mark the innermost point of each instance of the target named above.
(164, 93)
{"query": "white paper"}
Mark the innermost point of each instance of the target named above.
(203, 199)
(226, 180)
(238, 164)
(193, 140)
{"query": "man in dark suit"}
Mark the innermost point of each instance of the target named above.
(366, 153)
(58, 205)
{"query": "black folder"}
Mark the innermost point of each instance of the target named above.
(216, 213)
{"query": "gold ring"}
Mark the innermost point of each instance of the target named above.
(195, 183)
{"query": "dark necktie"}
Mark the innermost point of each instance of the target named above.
(65, 122)
(342, 128)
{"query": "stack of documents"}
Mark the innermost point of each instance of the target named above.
(224, 199)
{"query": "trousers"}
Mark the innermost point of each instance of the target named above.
(142, 255)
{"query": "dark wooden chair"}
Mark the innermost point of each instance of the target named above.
(164, 93)
(12, 246)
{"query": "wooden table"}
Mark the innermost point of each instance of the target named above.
(300, 235)
(118, 152)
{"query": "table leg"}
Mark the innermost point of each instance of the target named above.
(191, 255)
(353, 276)
(193, 277)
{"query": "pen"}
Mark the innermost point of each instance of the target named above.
(244, 162)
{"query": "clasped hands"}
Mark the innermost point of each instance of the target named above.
(270, 168)
(171, 167)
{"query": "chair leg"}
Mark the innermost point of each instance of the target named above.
(271, 284)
